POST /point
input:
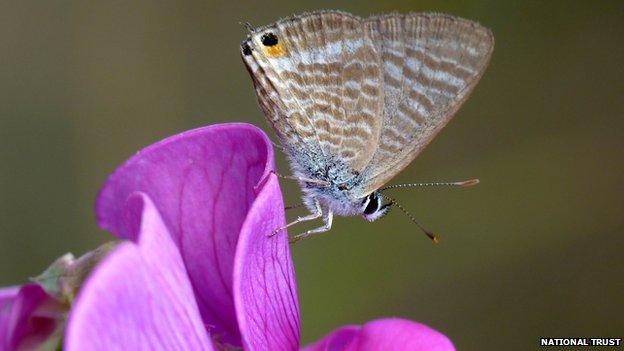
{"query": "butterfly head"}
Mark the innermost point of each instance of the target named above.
(373, 206)
(268, 41)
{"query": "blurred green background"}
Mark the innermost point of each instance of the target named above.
(535, 250)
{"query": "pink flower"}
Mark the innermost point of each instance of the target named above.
(391, 334)
(197, 270)
(197, 266)
(29, 317)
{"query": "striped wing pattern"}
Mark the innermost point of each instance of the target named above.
(369, 92)
(321, 84)
(431, 63)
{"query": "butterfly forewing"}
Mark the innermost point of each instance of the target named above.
(323, 82)
(431, 63)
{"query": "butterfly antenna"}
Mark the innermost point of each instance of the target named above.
(461, 184)
(434, 238)
(247, 26)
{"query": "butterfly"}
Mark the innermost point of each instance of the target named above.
(354, 100)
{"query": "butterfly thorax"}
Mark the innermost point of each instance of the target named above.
(339, 187)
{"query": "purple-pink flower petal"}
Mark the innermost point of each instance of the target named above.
(202, 183)
(8, 294)
(7, 300)
(391, 334)
(28, 316)
(139, 297)
(265, 291)
(337, 340)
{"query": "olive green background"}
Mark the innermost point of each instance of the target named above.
(535, 250)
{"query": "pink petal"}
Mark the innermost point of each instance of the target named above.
(8, 294)
(390, 334)
(7, 298)
(337, 340)
(399, 334)
(28, 316)
(202, 183)
(139, 297)
(265, 291)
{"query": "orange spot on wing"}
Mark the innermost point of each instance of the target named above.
(275, 50)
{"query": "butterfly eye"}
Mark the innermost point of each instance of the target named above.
(269, 39)
(246, 49)
(373, 205)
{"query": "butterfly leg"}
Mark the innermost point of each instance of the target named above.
(327, 218)
(314, 215)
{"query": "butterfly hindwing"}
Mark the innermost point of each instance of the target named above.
(431, 63)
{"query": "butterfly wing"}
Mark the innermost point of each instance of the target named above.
(319, 81)
(431, 63)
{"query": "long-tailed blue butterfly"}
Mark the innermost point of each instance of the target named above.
(354, 101)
